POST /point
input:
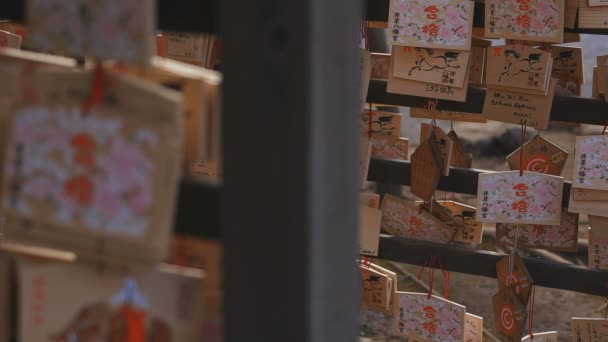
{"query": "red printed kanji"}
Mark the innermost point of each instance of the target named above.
(523, 20)
(430, 312)
(431, 12)
(430, 327)
(521, 206)
(521, 189)
(431, 29)
(523, 5)
(416, 225)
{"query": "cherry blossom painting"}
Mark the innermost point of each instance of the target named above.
(82, 170)
(389, 147)
(106, 29)
(431, 23)
(507, 197)
(536, 20)
(591, 162)
(429, 319)
(403, 218)
(563, 237)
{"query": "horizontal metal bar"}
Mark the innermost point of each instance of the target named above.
(377, 10)
(565, 108)
(483, 263)
(462, 181)
(183, 15)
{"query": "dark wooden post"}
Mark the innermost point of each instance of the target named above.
(290, 160)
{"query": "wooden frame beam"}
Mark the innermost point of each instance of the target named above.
(290, 178)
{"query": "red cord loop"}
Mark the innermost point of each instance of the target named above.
(96, 94)
(531, 313)
(521, 149)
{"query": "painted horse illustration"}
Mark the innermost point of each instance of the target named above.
(515, 66)
(381, 124)
(441, 62)
(564, 62)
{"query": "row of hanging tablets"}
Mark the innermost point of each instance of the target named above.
(92, 154)
(437, 54)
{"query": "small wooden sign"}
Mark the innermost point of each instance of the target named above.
(382, 124)
(403, 218)
(589, 195)
(11, 40)
(602, 74)
(539, 155)
(536, 20)
(447, 115)
(598, 247)
(365, 67)
(568, 86)
(596, 208)
(445, 144)
(194, 48)
(392, 302)
(570, 15)
(106, 174)
(550, 336)
(470, 231)
(380, 66)
(165, 304)
(518, 107)
(519, 278)
(376, 289)
(473, 329)
(519, 66)
(369, 200)
(460, 157)
(426, 168)
(431, 23)
(595, 89)
(598, 222)
(442, 213)
(507, 197)
(591, 162)
(429, 319)
(592, 17)
(104, 29)
(509, 315)
(445, 67)
(365, 151)
(429, 90)
(369, 230)
(589, 329)
(568, 60)
(562, 238)
(389, 147)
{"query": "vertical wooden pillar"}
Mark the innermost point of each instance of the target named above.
(290, 121)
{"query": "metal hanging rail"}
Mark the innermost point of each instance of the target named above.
(483, 263)
(571, 109)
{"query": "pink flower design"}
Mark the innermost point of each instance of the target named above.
(38, 187)
(106, 201)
